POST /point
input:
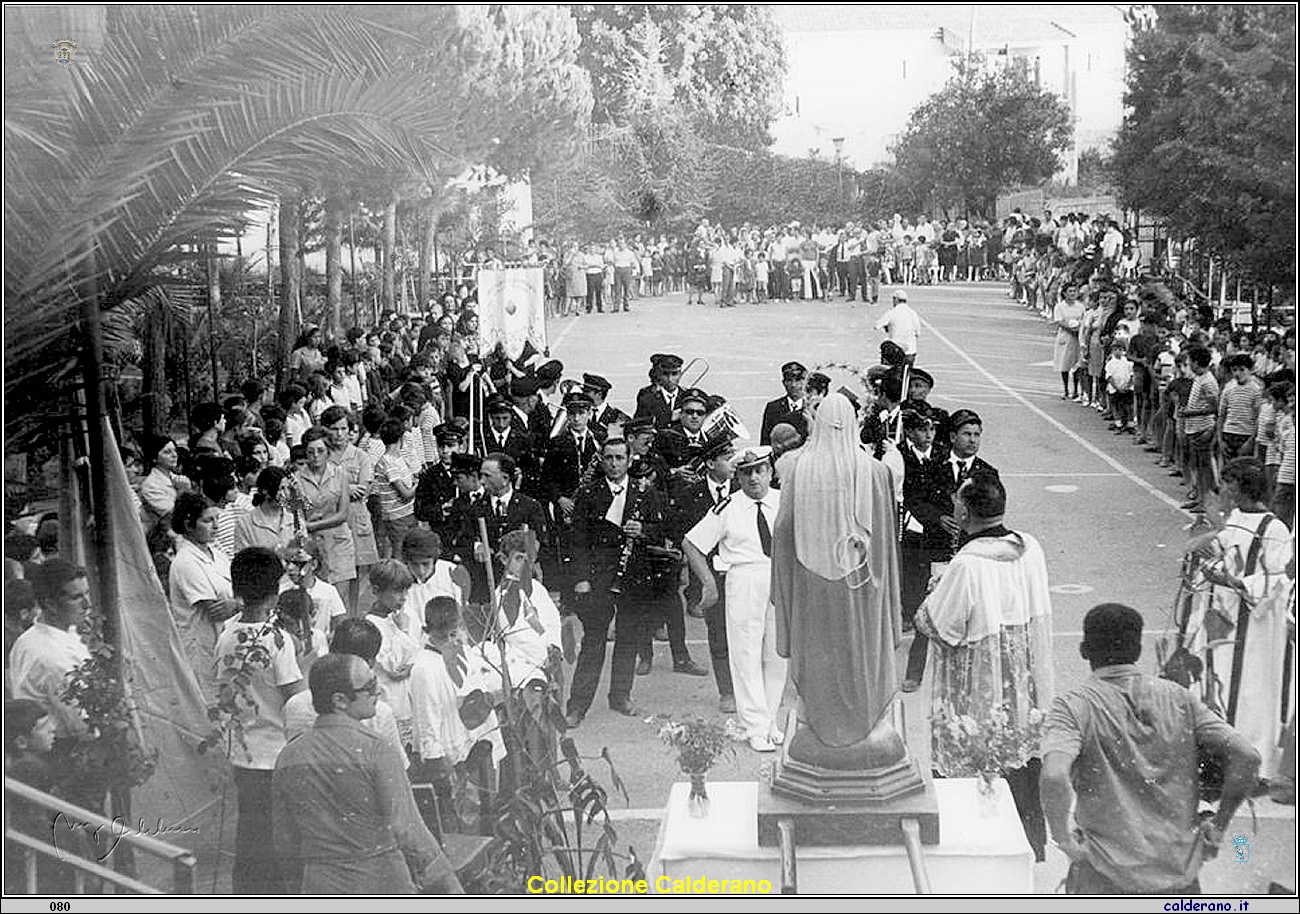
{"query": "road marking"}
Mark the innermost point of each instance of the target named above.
(1068, 432)
(1047, 364)
(573, 322)
(1061, 489)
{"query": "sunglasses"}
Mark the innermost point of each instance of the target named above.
(370, 688)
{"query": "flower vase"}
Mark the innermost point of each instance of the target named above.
(986, 788)
(697, 804)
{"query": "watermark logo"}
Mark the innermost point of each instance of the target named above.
(64, 50)
(1240, 848)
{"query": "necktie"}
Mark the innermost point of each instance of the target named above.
(501, 508)
(764, 531)
(721, 490)
(962, 469)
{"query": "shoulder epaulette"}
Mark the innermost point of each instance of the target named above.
(717, 509)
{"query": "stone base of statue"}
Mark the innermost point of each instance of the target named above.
(847, 795)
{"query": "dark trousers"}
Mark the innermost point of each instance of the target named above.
(595, 292)
(914, 575)
(596, 610)
(669, 611)
(256, 866)
(622, 287)
(776, 284)
(715, 622)
(1082, 879)
(1024, 790)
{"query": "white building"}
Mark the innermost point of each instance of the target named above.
(857, 71)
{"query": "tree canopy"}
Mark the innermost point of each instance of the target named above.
(988, 129)
(1208, 139)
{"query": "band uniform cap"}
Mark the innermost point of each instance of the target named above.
(465, 463)
(963, 417)
(640, 469)
(637, 426)
(523, 387)
(666, 361)
(459, 422)
(752, 457)
(920, 374)
(578, 401)
(497, 405)
(549, 372)
(793, 371)
(717, 447)
(448, 433)
(695, 395)
(419, 545)
(916, 418)
(596, 382)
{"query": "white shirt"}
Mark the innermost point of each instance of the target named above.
(294, 425)
(393, 665)
(325, 598)
(732, 528)
(955, 463)
(501, 503)
(526, 647)
(39, 663)
(197, 575)
(410, 618)
(299, 716)
(435, 703)
(615, 513)
(902, 325)
(264, 735)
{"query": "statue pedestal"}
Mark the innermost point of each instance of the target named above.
(855, 794)
(981, 852)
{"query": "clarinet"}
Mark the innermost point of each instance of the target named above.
(589, 471)
(629, 543)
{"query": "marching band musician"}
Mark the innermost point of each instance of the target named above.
(602, 414)
(740, 528)
(661, 400)
(568, 456)
(689, 503)
(640, 434)
(436, 486)
(613, 520)
(682, 441)
(790, 408)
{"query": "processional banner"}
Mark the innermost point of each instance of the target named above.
(512, 309)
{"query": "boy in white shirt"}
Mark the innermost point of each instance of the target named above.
(1119, 385)
(301, 561)
(434, 577)
(390, 581)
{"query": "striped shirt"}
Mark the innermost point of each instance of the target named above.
(1239, 407)
(391, 504)
(1286, 440)
(1202, 403)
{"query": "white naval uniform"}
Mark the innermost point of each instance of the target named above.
(757, 672)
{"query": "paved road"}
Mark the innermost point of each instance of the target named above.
(1107, 518)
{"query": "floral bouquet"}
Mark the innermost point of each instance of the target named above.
(699, 743)
(987, 745)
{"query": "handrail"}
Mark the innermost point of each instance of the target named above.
(182, 860)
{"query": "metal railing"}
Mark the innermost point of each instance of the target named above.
(182, 860)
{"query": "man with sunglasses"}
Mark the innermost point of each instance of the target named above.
(345, 818)
(683, 440)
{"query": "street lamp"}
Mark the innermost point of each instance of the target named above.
(839, 164)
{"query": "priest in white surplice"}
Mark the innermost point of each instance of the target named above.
(989, 620)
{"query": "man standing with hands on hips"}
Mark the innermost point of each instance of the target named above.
(740, 527)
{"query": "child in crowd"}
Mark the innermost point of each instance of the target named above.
(906, 255)
(1273, 419)
(433, 577)
(302, 565)
(29, 740)
(295, 614)
(927, 267)
(395, 485)
(745, 278)
(1119, 385)
(1239, 406)
(390, 580)
(761, 274)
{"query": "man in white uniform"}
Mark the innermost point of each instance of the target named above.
(902, 325)
(740, 527)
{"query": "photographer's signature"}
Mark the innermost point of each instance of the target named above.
(114, 831)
